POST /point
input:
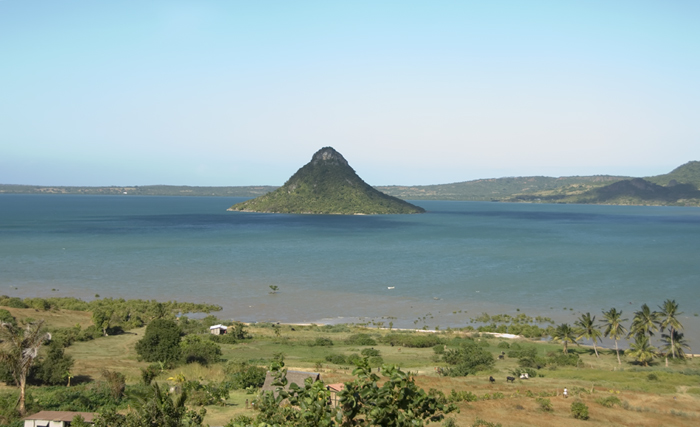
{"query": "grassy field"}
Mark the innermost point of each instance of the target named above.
(650, 396)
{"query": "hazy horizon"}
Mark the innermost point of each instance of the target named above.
(375, 185)
(214, 93)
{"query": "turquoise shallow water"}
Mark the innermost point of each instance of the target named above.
(460, 256)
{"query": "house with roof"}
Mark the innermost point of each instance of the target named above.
(218, 329)
(56, 418)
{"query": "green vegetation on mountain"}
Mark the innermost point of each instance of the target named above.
(688, 173)
(327, 185)
(497, 188)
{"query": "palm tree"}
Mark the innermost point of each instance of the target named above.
(565, 334)
(668, 319)
(641, 350)
(613, 328)
(674, 343)
(644, 322)
(19, 348)
(587, 329)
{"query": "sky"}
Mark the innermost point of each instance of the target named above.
(229, 93)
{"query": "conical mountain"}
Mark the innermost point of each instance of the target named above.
(327, 185)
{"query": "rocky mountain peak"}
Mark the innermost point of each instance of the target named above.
(329, 156)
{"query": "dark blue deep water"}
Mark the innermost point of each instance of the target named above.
(460, 256)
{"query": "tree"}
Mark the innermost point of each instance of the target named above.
(18, 350)
(641, 350)
(55, 366)
(467, 359)
(674, 343)
(565, 334)
(644, 322)
(161, 342)
(613, 328)
(157, 409)
(101, 317)
(397, 403)
(668, 319)
(587, 329)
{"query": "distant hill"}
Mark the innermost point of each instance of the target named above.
(676, 188)
(497, 188)
(146, 190)
(680, 187)
(688, 173)
(327, 185)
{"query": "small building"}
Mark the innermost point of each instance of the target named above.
(218, 329)
(293, 377)
(56, 418)
(335, 389)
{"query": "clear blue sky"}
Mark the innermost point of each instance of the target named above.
(410, 92)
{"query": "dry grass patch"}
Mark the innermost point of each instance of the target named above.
(54, 319)
(115, 353)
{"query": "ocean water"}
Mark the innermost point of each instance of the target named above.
(446, 266)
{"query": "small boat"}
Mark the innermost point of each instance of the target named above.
(390, 287)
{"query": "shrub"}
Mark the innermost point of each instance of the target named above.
(449, 422)
(369, 352)
(240, 421)
(335, 328)
(12, 302)
(149, 373)
(459, 396)
(579, 410)
(354, 358)
(481, 423)
(6, 317)
(517, 351)
(439, 349)
(413, 340)
(561, 359)
(161, 342)
(338, 359)
(250, 376)
(196, 349)
(522, 370)
(652, 377)
(116, 382)
(222, 339)
(321, 342)
(503, 344)
(609, 401)
(545, 404)
(360, 339)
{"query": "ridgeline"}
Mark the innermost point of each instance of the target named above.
(680, 187)
(327, 185)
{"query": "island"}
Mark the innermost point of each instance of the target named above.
(327, 185)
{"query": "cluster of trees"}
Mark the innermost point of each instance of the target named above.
(111, 315)
(22, 363)
(363, 402)
(19, 356)
(164, 342)
(645, 324)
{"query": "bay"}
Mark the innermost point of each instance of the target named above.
(446, 266)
